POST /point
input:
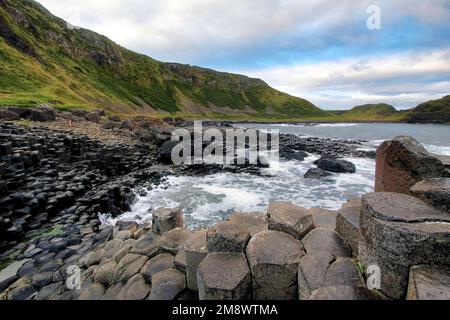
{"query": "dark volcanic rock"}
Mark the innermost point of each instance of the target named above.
(316, 173)
(333, 164)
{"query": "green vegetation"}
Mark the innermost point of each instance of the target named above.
(437, 111)
(44, 60)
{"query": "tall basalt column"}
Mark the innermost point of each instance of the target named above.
(399, 231)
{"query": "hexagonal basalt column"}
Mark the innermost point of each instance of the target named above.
(224, 276)
(195, 251)
(273, 257)
(290, 219)
(399, 231)
(166, 219)
(227, 236)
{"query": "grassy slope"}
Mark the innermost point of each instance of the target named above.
(42, 60)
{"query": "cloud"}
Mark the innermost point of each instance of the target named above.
(404, 79)
(320, 50)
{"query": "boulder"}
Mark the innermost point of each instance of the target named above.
(161, 262)
(347, 225)
(167, 285)
(332, 164)
(43, 113)
(224, 276)
(291, 154)
(344, 293)
(253, 222)
(327, 241)
(165, 219)
(429, 283)
(227, 236)
(434, 191)
(93, 117)
(104, 273)
(401, 163)
(135, 289)
(316, 173)
(195, 250)
(288, 218)
(8, 115)
(273, 258)
(165, 151)
(399, 231)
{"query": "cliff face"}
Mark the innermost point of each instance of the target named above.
(45, 59)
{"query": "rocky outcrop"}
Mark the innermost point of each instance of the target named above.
(332, 164)
(399, 231)
(434, 191)
(402, 162)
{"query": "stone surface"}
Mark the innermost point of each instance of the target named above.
(180, 260)
(173, 240)
(157, 264)
(130, 265)
(227, 236)
(104, 273)
(148, 246)
(399, 231)
(343, 293)
(273, 258)
(135, 289)
(94, 292)
(434, 191)
(323, 218)
(19, 290)
(167, 285)
(311, 272)
(429, 283)
(165, 219)
(253, 222)
(401, 163)
(343, 271)
(195, 251)
(224, 276)
(328, 241)
(290, 219)
(9, 274)
(347, 225)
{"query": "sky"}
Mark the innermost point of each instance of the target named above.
(319, 50)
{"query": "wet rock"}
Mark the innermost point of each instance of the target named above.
(347, 225)
(402, 162)
(50, 292)
(327, 241)
(224, 276)
(166, 219)
(434, 191)
(429, 283)
(161, 262)
(195, 249)
(288, 218)
(343, 293)
(165, 152)
(316, 173)
(399, 231)
(291, 154)
(333, 164)
(252, 222)
(227, 236)
(135, 289)
(42, 279)
(273, 258)
(167, 285)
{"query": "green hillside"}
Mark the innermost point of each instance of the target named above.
(43, 59)
(432, 111)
